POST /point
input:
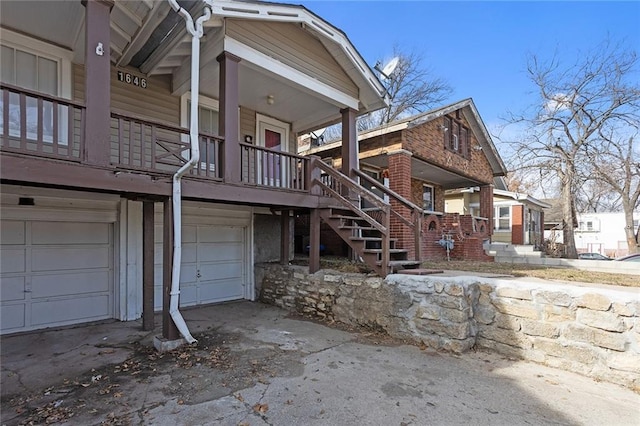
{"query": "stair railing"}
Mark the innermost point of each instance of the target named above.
(414, 222)
(339, 187)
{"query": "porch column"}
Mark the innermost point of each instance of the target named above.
(169, 329)
(540, 231)
(349, 141)
(517, 224)
(229, 117)
(285, 236)
(486, 205)
(399, 162)
(97, 81)
(314, 241)
(147, 264)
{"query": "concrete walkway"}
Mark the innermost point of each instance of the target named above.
(257, 365)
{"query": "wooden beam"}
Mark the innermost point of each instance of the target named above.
(285, 236)
(97, 81)
(147, 264)
(349, 142)
(43, 172)
(169, 329)
(314, 241)
(228, 117)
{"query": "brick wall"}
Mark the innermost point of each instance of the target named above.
(517, 224)
(468, 236)
(426, 141)
(400, 182)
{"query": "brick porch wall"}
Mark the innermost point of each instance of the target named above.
(517, 224)
(400, 182)
(467, 241)
(486, 205)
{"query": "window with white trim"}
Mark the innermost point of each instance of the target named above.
(428, 198)
(29, 69)
(208, 114)
(502, 218)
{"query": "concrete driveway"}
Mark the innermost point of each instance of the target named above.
(258, 365)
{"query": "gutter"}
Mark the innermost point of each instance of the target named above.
(196, 32)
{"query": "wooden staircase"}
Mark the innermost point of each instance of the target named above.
(368, 241)
(366, 231)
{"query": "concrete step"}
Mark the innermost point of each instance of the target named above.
(420, 271)
(497, 249)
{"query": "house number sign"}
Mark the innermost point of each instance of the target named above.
(132, 79)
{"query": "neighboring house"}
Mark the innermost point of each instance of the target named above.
(603, 233)
(94, 124)
(593, 232)
(517, 218)
(419, 158)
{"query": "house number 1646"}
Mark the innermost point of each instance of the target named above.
(132, 79)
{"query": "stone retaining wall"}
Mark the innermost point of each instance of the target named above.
(593, 331)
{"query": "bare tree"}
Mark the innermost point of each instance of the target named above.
(617, 163)
(576, 102)
(595, 196)
(411, 89)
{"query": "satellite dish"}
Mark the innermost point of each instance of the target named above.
(389, 68)
(318, 133)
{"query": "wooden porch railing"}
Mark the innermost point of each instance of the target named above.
(150, 146)
(40, 124)
(414, 222)
(276, 169)
(340, 188)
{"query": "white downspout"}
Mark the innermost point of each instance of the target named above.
(196, 32)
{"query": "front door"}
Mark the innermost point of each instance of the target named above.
(273, 135)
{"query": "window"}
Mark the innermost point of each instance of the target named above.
(455, 133)
(502, 218)
(428, 199)
(456, 136)
(207, 114)
(26, 68)
(207, 124)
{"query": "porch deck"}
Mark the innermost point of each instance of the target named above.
(43, 142)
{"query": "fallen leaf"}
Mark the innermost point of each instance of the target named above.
(261, 408)
(239, 397)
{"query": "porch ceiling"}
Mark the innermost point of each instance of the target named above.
(62, 22)
(428, 172)
(148, 35)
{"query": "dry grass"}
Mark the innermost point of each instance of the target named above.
(547, 273)
(517, 270)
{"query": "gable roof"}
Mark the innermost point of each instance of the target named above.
(333, 38)
(524, 198)
(471, 114)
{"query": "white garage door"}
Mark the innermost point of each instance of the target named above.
(55, 273)
(213, 267)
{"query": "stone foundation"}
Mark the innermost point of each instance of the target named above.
(589, 330)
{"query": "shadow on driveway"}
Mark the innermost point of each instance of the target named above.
(255, 364)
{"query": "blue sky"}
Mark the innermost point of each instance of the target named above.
(480, 47)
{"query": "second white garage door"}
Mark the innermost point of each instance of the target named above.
(213, 267)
